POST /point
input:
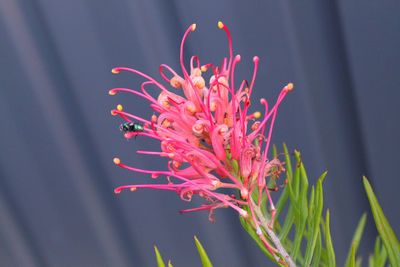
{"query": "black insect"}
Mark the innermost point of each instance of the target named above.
(131, 127)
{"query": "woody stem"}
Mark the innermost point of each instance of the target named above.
(271, 234)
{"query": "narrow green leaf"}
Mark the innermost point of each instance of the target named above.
(300, 228)
(358, 262)
(301, 206)
(371, 261)
(311, 207)
(315, 220)
(160, 261)
(203, 255)
(288, 224)
(288, 163)
(289, 178)
(317, 252)
(379, 258)
(274, 151)
(386, 232)
(328, 242)
(296, 177)
(282, 201)
(351, 258)
(303, 191)
(382, 258)
(378, 245)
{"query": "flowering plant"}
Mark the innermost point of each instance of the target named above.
(214, 142)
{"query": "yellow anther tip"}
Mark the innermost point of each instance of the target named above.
(193, 27)
(203, 68)
(120, 107)
(289, 86)
(116, 161)
(220, 24)
(257, 114)
(133, 189)
(115, 71)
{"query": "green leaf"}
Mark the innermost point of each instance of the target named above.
(379, 258)
(301, 207)
(160, 261)
(311, 207)
(170, 264)
(289, 178)
(303, 191)
(328, 242)
(351, 258)
(358, 262)
(288, 224)
(274, 151)
(203, 255)
(317, 252)
(386, 232)
(288, 162)
(315, 220)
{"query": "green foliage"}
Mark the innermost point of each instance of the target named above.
(306, 235)
(202, 253)
(351, 257)
(205, 261)
(159, 259)
(304, 232)
(389, 239)
(331, 258)
(379, 257)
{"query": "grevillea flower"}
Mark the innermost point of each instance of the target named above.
(207, 133)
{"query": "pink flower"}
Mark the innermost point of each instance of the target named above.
(207, 133)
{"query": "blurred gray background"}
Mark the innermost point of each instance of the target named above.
(57, 138)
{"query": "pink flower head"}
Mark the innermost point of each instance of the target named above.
(207, 133)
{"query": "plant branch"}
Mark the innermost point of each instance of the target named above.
(274, 238)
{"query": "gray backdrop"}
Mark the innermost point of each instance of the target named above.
(57, 138)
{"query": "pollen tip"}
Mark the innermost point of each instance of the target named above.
(203, 68)
(113, 112)
(115, 71)
(112, 92)
(120, 107)
(220, 24)
(133, 189)
(289, 86)
(193, 27)
(117, 161)
(257, 114)
(256, 59)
